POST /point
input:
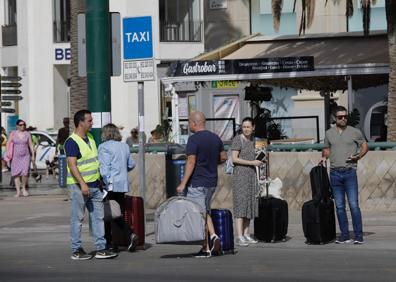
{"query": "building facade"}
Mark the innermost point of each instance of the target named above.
(36, 46)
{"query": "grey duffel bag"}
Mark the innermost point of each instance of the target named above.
(179, 219)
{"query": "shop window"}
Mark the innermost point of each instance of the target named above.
(61, 20)
(9, 30)
(180, 20)
(225, 107)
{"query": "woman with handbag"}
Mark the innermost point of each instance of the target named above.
(244, 181)
(115, 161)
(20, 152)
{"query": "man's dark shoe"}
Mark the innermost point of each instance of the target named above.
(343, 240)
(133, 242)
(105, 254)
(113, 249)
(358, 241)
(80, 254)
(203, 254)
(216, 245)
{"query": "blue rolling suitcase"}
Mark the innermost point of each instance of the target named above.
(224, 228)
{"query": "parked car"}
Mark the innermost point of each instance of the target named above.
(46, 150)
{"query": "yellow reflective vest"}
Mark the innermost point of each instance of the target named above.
(88, 164)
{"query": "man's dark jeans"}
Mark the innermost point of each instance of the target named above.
(344, 181)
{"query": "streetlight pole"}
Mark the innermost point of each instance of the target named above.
(98, 63)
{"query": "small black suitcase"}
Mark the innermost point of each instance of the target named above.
(318, 221)
(272, 222)
(273, 218)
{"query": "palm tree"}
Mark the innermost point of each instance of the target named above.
(390, 8)
(78, 85)
(308, 8)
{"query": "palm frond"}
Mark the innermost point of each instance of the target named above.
(276, 13)
(310, 12)
(349, 8)
(366, 7)
(307, 14)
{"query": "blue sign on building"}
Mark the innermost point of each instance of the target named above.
(138, 41)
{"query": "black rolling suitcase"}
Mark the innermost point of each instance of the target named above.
(318, 218)
(272, 221)
(271, 224)
(319, 221)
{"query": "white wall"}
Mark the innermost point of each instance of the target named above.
(35, 62)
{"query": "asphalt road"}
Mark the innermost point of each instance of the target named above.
(34, 246)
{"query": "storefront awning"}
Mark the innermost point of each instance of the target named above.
(365, 59)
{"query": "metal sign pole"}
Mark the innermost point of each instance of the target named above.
(142, 166)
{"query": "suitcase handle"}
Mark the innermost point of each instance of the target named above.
(261, 183)
(179, 222)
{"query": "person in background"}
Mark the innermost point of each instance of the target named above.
(157, 135)
(244, 183)
(3, 140)
(35, 141)
(133, 139)
(115, 161)
(205, 151)
(63, 134)
(23, 155)
(345, 145)
(83, 182)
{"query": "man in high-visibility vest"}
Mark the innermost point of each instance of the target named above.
(83, 182)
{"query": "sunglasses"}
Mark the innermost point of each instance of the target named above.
(342, 117)
(22, 124)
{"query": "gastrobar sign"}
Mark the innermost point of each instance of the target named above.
(246, 66)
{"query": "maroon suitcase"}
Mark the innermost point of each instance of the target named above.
(134, 216)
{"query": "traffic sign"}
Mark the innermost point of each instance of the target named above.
(11, 84)
(7, 110)
(137, 35)
(11, 78)
(6, 104)
(138, 70)
(11, 97)
(11, 91)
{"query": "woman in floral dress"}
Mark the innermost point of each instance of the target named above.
(23, 154)
(244, 182)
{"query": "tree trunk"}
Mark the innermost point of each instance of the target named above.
(78, 85)
(391, 19)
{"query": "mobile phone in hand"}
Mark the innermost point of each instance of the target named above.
(260, 156)
(349, 159)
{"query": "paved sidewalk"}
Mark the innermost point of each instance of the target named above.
(48, 185)
(34, 243)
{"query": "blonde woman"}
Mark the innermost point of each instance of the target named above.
(244, 182)
(115, 161)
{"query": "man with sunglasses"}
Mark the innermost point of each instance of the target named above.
(345, 145)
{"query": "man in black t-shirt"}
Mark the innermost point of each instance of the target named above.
(63, 134)
(205, 151)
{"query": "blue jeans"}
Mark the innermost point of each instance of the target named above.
(94, 205)
(344, 181)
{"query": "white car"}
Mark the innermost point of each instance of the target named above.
(45, 148)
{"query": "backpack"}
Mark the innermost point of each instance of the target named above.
(229, 165)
